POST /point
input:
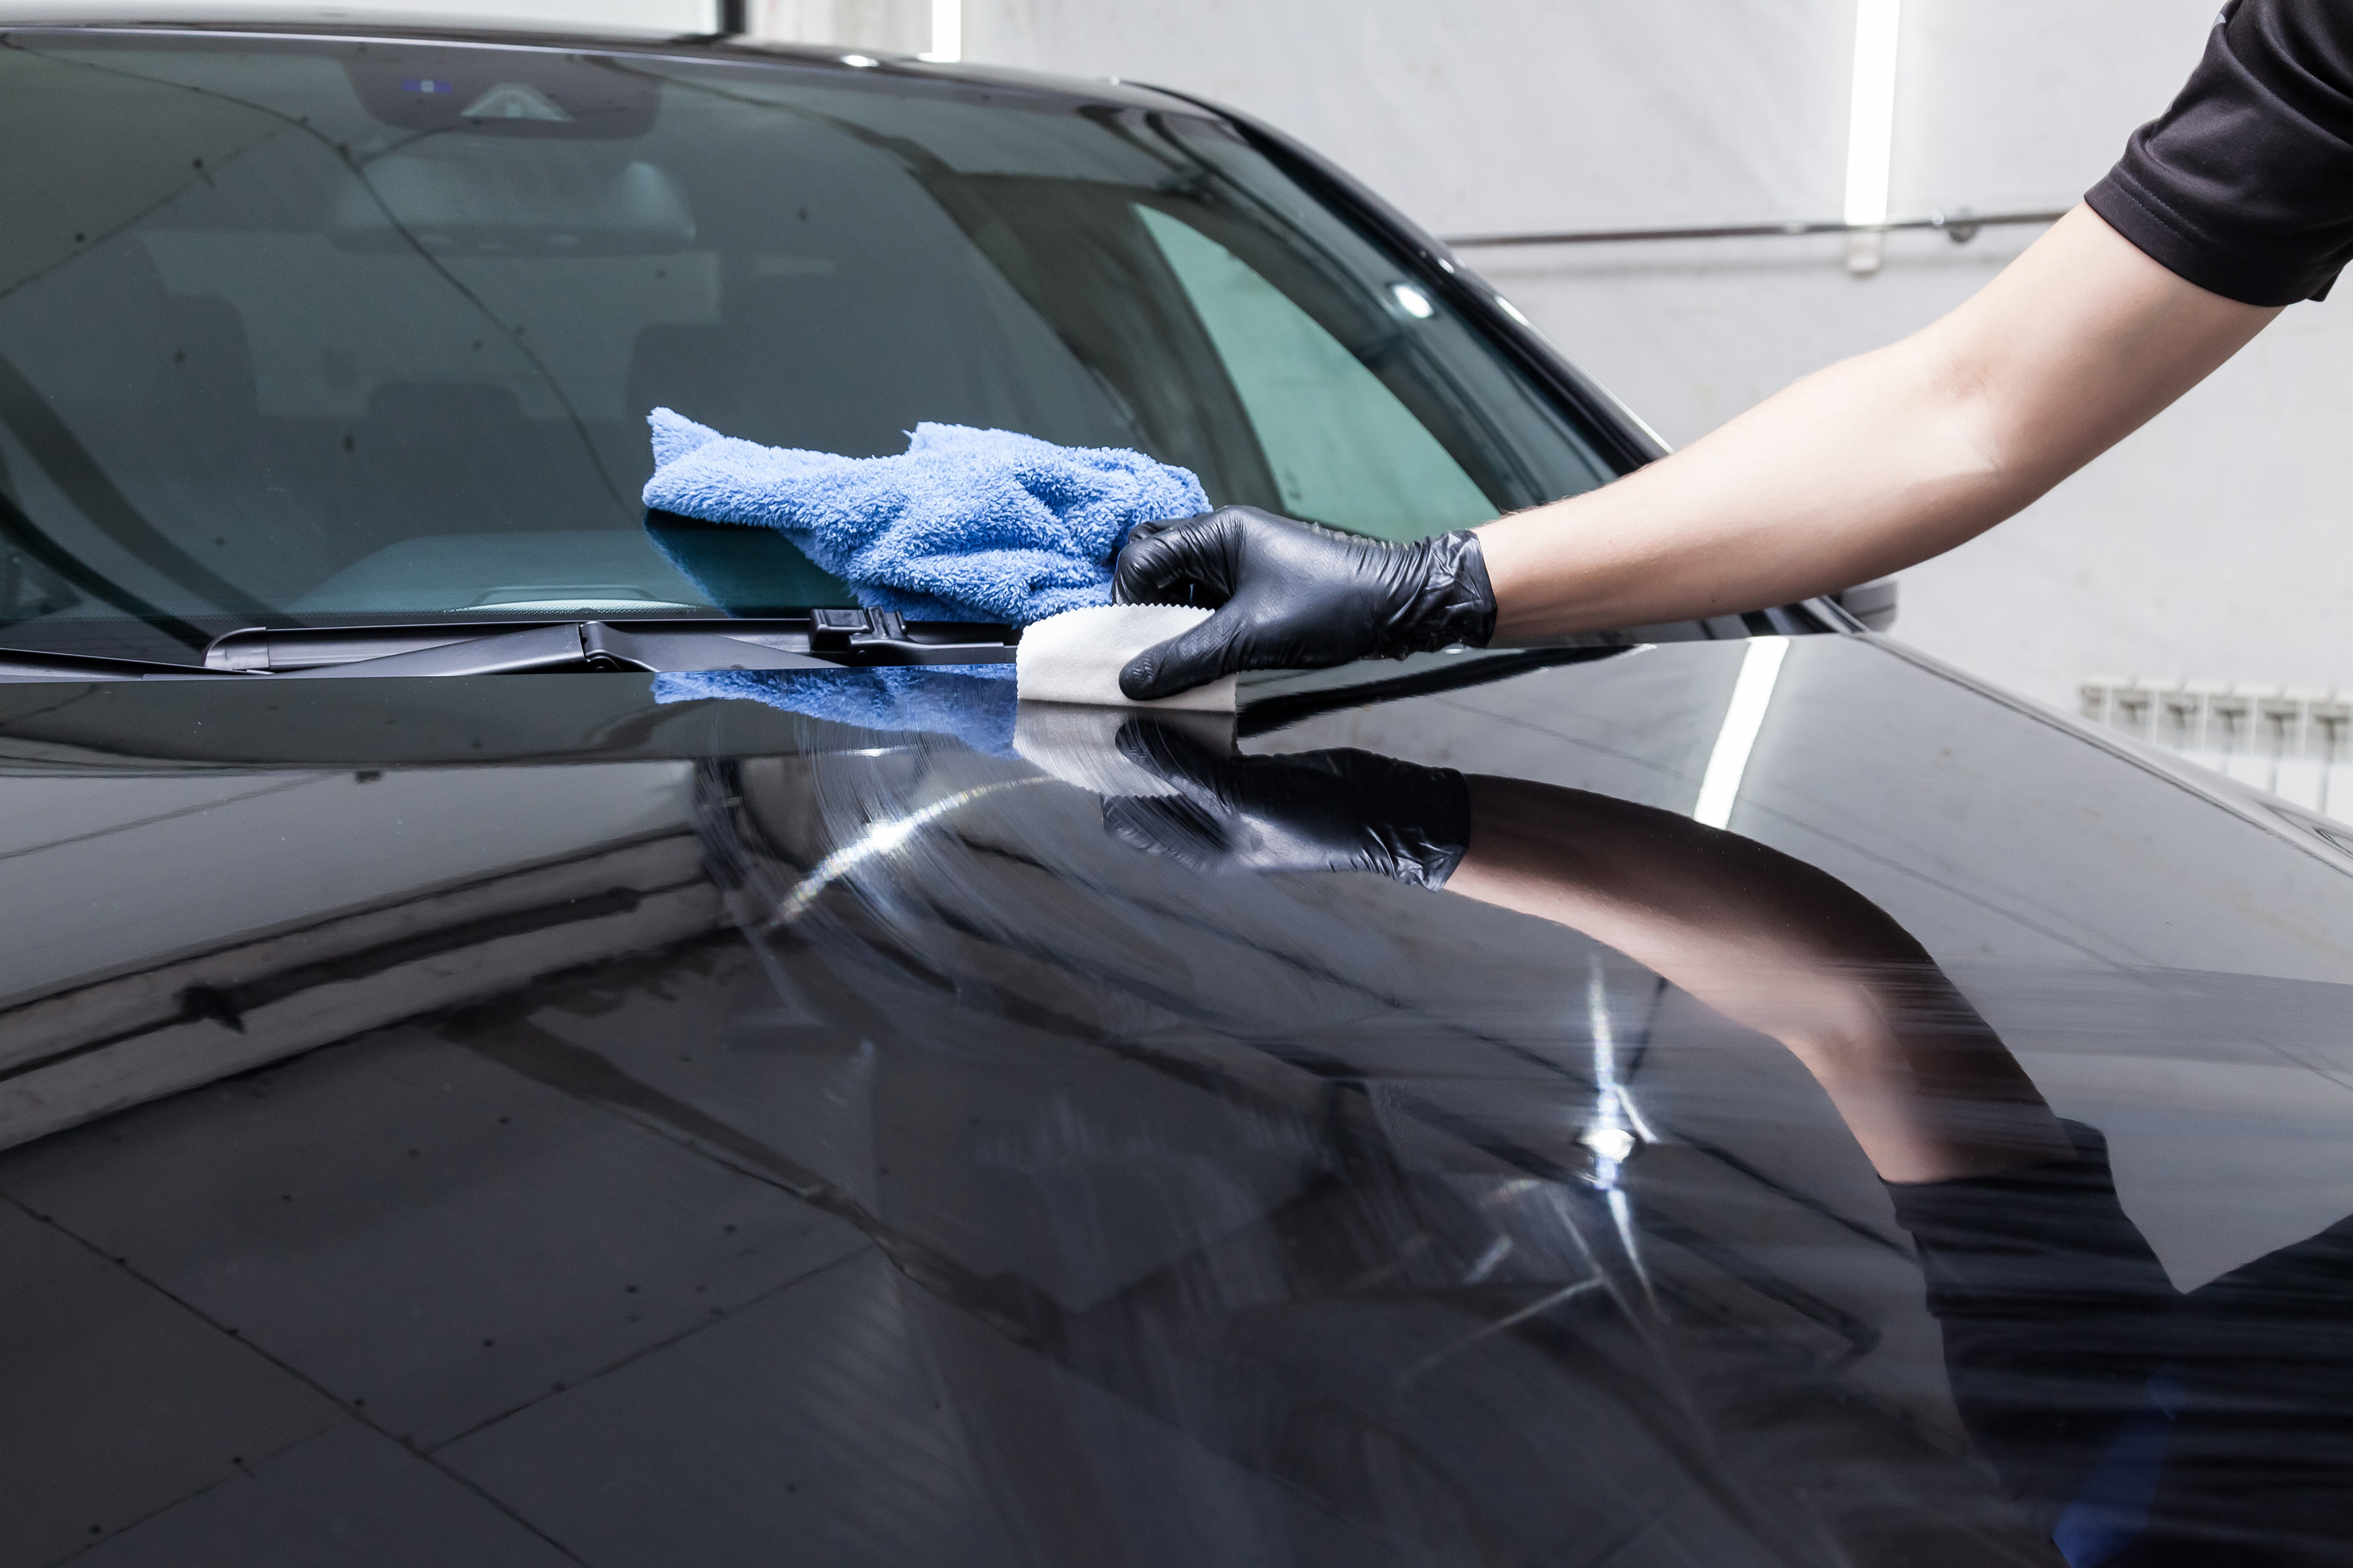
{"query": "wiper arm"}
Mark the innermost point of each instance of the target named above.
(823, 639)
(571, 646)
(508, 653)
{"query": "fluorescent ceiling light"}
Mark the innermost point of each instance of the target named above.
(1744, 717)
(1871, 123)
(947, 32)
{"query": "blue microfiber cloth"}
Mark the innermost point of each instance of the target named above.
(966, 525)
(973, 702)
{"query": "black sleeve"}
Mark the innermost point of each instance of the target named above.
(2244, 186)
(2055, 1313)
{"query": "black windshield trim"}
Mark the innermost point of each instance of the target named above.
(1618, 441)
(1271, 713)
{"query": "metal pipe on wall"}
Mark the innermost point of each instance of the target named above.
(1960, 227)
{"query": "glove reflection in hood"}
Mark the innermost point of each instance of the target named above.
(1339, 810)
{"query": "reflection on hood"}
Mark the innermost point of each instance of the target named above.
(973, 702)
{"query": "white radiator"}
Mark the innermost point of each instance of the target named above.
(2293, 741)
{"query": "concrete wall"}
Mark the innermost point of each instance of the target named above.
(2212, 545)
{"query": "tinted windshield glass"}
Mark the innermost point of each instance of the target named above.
(304, 331)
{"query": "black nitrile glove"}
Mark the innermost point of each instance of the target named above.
(1291, 596)
(1339, 810)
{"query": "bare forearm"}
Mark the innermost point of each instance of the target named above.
(1885, 460)
(1823, 487)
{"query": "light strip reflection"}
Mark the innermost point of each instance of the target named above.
(1744, 717)
(880, 839)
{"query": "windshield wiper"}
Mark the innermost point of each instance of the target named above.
(822, 639)
(31, 664)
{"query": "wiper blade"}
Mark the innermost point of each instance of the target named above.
(822, 639)
(30, 664)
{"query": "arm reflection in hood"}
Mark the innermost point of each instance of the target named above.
(1767, 941)
(2134, 1423)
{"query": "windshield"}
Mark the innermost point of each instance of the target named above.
(321, 332)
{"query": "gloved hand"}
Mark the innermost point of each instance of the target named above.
(1340, 810)
(1291, 596)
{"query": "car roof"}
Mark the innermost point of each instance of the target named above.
(521, 28)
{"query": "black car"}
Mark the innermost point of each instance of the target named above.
(474, 1098)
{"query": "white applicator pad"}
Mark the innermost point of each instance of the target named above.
(1076, 657)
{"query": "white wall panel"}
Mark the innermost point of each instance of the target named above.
(2019, 104)
(1515, 113)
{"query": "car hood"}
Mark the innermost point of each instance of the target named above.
(1279, 1193)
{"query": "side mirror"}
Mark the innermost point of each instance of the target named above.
(1872, 604)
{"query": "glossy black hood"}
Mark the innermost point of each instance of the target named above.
(595, 1129)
